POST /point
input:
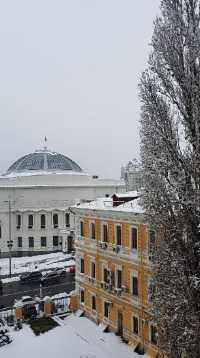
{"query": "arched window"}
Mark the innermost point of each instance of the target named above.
(67, 220)
(30, 221)
(55, 220)
(43, 221)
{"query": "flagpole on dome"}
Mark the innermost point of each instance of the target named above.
(45, 143)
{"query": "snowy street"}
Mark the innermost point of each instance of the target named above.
(37, 262)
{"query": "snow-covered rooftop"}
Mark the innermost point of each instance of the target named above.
(133, 206)
(76, 338)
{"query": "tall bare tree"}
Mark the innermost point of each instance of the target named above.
(170, 153)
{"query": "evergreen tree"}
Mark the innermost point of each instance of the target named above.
(170, 153)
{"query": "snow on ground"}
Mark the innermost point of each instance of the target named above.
(37, 262)
(76, 338)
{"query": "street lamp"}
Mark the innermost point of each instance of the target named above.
(9, 242)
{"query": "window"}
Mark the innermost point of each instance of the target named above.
(43, 241)
(118, 235)
(55, 240)
(18, 222)
(55, 220)
(134, 286)
(82, 296)
(31, 241)
(42, 221)
(67, 220)
(19, 241)
(152, 245)
(135, 325)
(133, 238)
(105, 275)
(30, 221)
(154, 334)
(92, 232)
(81, 228)
(0, 232)
(106, 309)
(94, 302)
(93, 270)
(105, 233)
(119, 278)
(82, 265)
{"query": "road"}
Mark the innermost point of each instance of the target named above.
(16, 289)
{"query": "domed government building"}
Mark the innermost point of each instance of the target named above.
(36, 193)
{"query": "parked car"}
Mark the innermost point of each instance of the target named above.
(51, 277)
(72, 269)
(60, 271)
(25, 300)
(31, 276)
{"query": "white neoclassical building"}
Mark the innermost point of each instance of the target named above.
(35, 195)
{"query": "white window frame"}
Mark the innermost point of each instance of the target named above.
(28, 214)
(19, 214)
(91, 296)
(118, 224)
(90, 230)
(92, 261)
(133, 251)
(102, 231)
(55, 213)
(106, 301)
(82, 290)
(118, 268)
(81, 221)
(133, 274)
(137, 316)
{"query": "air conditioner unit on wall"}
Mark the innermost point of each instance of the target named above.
(116, 248)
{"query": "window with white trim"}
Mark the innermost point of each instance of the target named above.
(105, 232)
(18, 221)
(106, 309)
(43, 221)
(67, 219)
(135, 323)
(55, 221)
(92, 231)
(134, 239)
(118, 278)
(82, 296)
(30, 221)
(93, 269)
(134, 284)
(82, 264)
(118, 235)
(81, 228)
(94, 302)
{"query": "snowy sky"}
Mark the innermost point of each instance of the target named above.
(69, 70)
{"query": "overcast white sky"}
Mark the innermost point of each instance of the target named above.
(69, 70)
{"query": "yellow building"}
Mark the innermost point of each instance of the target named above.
(114, 268)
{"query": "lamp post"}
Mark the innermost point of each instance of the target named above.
(9, 242)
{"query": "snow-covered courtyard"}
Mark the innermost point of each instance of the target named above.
(77, 337)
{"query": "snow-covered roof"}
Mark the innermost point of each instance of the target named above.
(128, 194)
(76, 337)
(132, 206)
